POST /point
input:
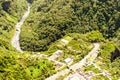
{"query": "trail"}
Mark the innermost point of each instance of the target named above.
(86, 60)
(15, 40)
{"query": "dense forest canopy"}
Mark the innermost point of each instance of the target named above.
(51, 19)
(10, 13)
(13, 65)
(84, 21)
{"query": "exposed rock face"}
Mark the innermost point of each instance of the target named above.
(115, 54)
(6, 5)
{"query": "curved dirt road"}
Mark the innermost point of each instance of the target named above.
(86, 60)
(15, 40)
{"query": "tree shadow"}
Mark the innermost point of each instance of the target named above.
(115, 54)
(30, 1)
(6, 5)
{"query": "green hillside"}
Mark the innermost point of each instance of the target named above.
(68, 26)
(10, 12)
(13, 65)
(51, 19)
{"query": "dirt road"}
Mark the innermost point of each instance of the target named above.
(15, 40)
(86, 60)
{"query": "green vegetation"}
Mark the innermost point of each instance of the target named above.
(10, 12)
(91, 68)
(80, 22)
(105, 53)
(62, 77)
(51, 19)
(13, 65)
(104, 59)
(100, 77)
(19, 67)
(78, 45)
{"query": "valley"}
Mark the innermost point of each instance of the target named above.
(59, 40)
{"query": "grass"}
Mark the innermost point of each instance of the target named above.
(6, 36)
(26, 32)
(99, 77)
(79, 47)
(62, 77)
(6, 40)
(91, 68)
(68, 38)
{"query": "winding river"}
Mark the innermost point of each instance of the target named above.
(16, 38)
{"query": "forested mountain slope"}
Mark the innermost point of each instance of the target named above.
(10, 12)
(49, 25)
(13, 65)
(51, 19)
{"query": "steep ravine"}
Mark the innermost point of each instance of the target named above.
(15, 40)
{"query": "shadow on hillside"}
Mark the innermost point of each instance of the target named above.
(6, 5)
(115, 54)
(30, 1)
